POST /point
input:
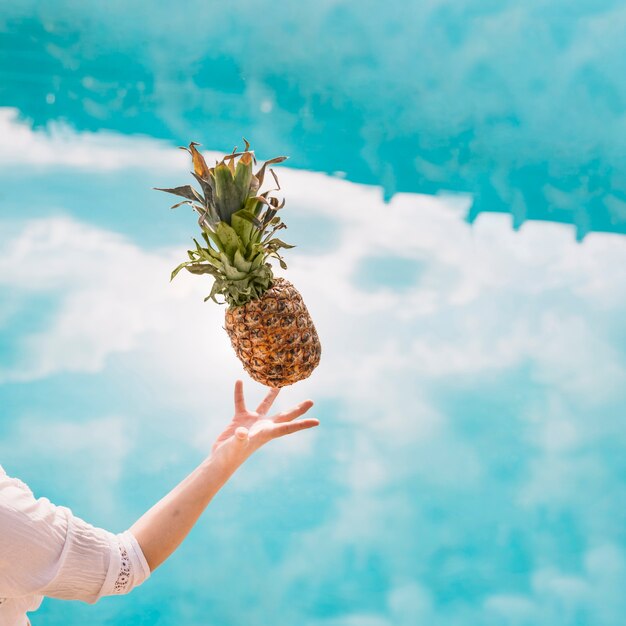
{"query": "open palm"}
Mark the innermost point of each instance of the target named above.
(254, 428)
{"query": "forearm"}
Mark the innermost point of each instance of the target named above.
(162, 529)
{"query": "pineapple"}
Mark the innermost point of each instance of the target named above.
(267, 321)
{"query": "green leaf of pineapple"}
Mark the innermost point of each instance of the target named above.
(227, 197)
(231, 272)
(249, 216)
(180, 267)
(277, 243)
(243, 177)
(208, 217)
(253, 205)
(240, 263)
(261, 173)
(242, 226)
(186, 191)
(257, 262)
(214, 238)
(202, 268)
(229, 239)
(207, 190)
(217, 289)
(209, 249)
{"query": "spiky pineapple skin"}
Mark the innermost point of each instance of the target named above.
(274, 336)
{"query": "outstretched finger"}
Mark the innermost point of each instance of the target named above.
(240, 404)
(297, 411)
(291, 427)
(266, 405)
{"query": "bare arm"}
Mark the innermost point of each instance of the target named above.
(162, 529)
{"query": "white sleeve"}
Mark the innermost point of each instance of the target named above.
(46, 550)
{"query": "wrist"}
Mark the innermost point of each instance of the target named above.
(224, 461)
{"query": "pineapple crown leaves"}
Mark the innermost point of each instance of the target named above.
(227, 188)
(238, 224)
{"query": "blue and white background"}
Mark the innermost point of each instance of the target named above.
(456, 190)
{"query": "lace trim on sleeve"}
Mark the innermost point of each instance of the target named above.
(123, 576)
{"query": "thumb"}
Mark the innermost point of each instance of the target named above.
(241, 434)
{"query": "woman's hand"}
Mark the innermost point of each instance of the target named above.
(249, 430)
(160, 530)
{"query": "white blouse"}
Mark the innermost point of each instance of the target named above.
(47, 551)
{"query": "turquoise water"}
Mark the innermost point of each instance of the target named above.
(456, 190)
